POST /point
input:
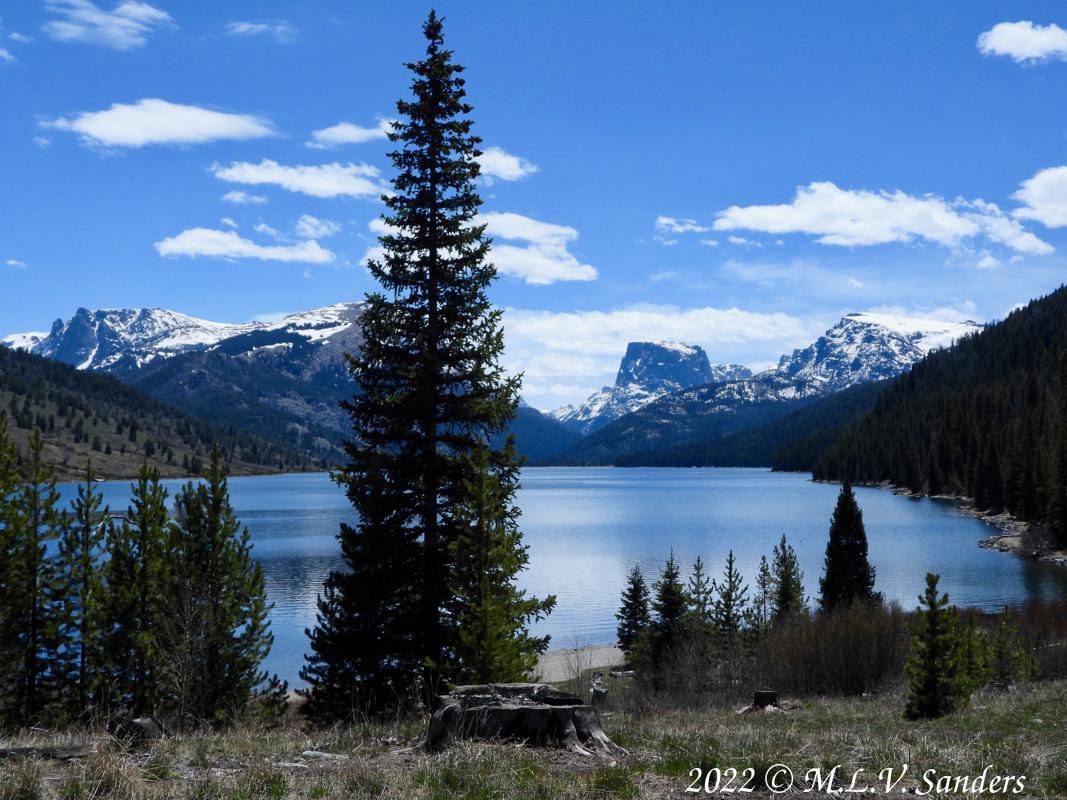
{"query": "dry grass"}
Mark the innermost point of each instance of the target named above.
(1024, 732)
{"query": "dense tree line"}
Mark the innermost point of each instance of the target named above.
(986, 419)
(792, 442)
(105, 614)
(72, 407)
(427, 597)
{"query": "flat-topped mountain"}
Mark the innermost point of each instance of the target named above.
(649, 370)
(858, 349)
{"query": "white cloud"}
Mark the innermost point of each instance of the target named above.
(266, 230)
(1045, 197)
(1024, 42)
(709, 242)
(348, 133)
(6, 57)
(154, 121)
(854, 283)
(987, 260)
(664, 275)
(964, 311)
(849, 217)
(239, 198)
(14, 262)
(228, 222)
(498, 163)
(325, 180)
(42, 141)
(126, 27)
(314, 228)
(740, 241)
(280, 30)
(228, 244)
(544, 259)
(578, 348)
(674, 225)
(18, 37)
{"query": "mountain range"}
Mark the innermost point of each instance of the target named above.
(283, 379)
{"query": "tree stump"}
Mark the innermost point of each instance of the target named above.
(532, 713)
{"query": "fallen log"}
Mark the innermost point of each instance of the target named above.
(53, 753)
(531, 713)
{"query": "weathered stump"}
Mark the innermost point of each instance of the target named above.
(136, 732)
(532, 713)
(764, 698)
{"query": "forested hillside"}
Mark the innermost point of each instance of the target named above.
(83, 415)
(792, 442)
(986, 419)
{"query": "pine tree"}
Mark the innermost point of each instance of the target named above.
(492, 616)
(633, 615)
(1009, 660)
(11, 525)
(669, 608)
(700, 592)
(215, 634)
(33, 620)
(728, 617)
(937, 686)
(136, 577)
(431, 391)
(788, 599)
(764, 598)
(848, 575)
(972, 655)
(81, 548)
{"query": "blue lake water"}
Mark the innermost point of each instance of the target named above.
(586, 527)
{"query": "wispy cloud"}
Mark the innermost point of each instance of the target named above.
(348, 133)
(159, 122)
(239, 198)
(126, 27)
(545, 257)
(675, 225)
(311, 227)
(208, 242)
(1024, 42)
(6, 56)
(279, 30)
(323, 180)
(851, 218)
(16, 263)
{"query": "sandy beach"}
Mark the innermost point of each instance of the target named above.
(559, 665)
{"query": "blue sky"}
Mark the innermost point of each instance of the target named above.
(735, 175)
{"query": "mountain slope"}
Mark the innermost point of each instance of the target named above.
(283, 380)
(860, 348)
(986, 419)
(83, 415)
(648, 371)
(792, 442)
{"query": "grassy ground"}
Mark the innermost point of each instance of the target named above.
(1021, 733)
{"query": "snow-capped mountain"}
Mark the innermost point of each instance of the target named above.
(858, 349)
(117, 340)
(649, 370)
(867, 347)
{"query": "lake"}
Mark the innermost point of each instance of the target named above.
(587, 527)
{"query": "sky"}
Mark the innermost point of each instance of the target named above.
(735, 175)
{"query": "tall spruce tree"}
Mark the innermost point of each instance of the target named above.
(788, 599)
(763, 601)
(10, 601)
(215, 634)
(136, 577)
(33, 631)
(430, 392)
(700, 592)
(81, 550)
(937, 684)
(670, 606)
(633, 615)
(492, 616)
(848, 576)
